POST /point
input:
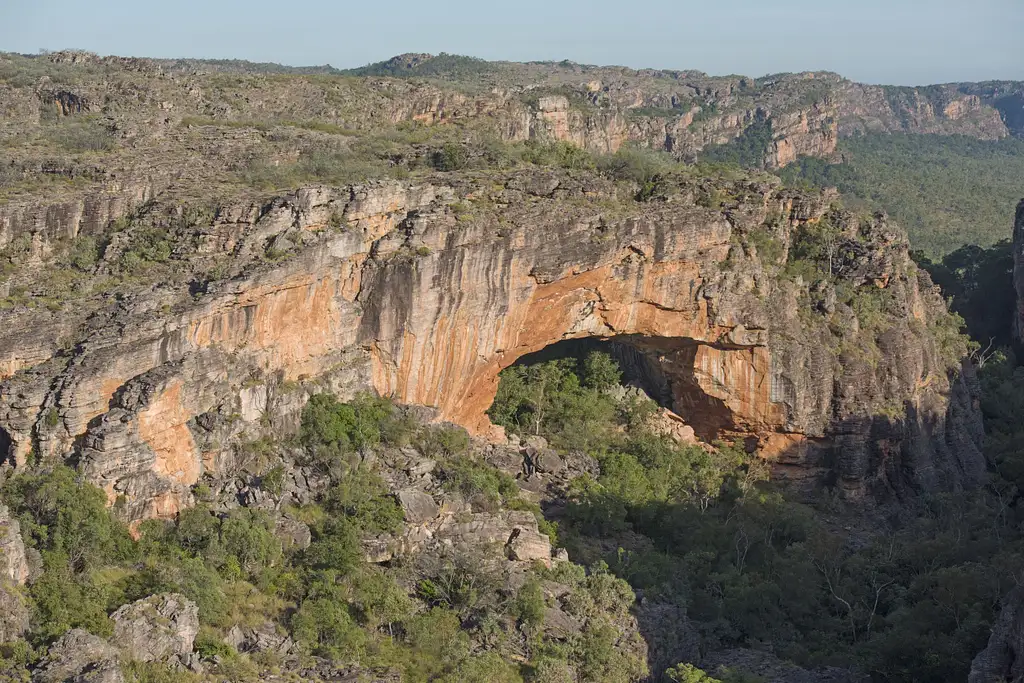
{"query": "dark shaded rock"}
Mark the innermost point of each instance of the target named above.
(1003, 658)
(771, 669)
(558, 624)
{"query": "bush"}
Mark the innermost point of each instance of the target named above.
(331, 428)
(365, 501)
(475, 480)
(82, 136)
(443, 441)
(529, 604)
(325, 627)
(451, 157)
(248, 536)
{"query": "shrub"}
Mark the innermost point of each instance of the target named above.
(365, 501)
(82, 136)
(324, 626)
(248, 536)
(476, 480)
(443, 441)
(529, 604)
(451, 157)
(331, 428)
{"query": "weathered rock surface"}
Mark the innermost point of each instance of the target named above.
(426, 306)
(14, 615)
(419, 507)
(156, 628)
(14, 565)
(265, 638)
(79, 657)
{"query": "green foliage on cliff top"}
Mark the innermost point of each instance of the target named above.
(946, 191)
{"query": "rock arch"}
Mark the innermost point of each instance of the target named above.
(440, 330)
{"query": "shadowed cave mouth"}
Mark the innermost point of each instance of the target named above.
(662, 368)
(6, 448)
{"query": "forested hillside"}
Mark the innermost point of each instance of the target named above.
(946, 191)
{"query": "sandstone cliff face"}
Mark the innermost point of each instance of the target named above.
(1018, 272)
(426, 291)
(939, 109)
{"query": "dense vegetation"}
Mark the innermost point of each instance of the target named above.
(750, 149)
(703, 530)
(438, 618)
(946, 191)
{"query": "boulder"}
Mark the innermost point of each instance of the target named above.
(558, 624)
(293, 533)
(377, 550)
(157, 628)
(771, 669)
(419, 507)
(79, 657)
(421, 468)
(526, 546)
(548, 462)
(264, 638)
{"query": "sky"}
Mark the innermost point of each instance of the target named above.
(900, 42)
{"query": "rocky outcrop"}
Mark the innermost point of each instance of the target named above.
(157, 628)
(14, 565)
(79, 657)
(937, 109)
(426, 303)
(1018, 272)
(1003, 659)
(14, 615)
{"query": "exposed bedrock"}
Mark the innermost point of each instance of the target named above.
(422, 299)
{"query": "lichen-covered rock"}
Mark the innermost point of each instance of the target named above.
(156, 628)
(79, 657)
(265, 638)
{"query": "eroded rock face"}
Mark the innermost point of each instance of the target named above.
(14, 615)
(157, 628)
(80, 657)
(1003, 658)
(13, 560)
(426, 304)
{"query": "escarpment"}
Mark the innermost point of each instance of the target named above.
(775, 317)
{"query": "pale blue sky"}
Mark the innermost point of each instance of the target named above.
(903, 42)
